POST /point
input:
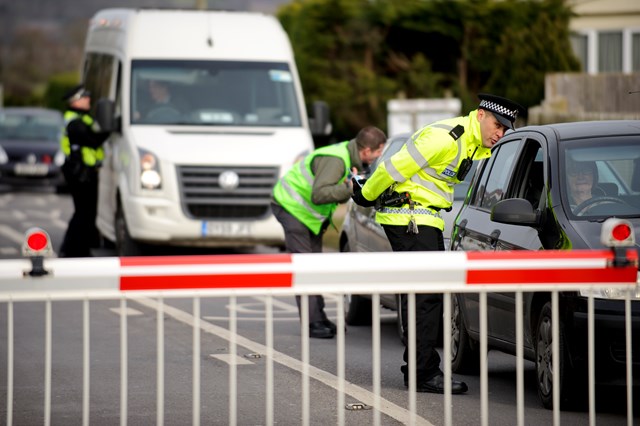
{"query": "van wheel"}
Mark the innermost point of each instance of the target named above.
(357, 309)
(465, 355)
(125, 245)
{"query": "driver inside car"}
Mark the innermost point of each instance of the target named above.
(582, 182)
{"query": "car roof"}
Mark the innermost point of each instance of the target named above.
(580, 129)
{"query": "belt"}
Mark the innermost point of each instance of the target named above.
(404, 210)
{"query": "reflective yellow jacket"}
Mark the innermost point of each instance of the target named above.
(426, 168)
(90, 156)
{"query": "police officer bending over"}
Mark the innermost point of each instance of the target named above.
(423, 172)
(82, 146)
(305, 198)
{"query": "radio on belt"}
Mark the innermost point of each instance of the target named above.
(36, 246)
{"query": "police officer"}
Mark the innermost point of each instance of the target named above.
(437, 157)
(305, 198)
(82, 146)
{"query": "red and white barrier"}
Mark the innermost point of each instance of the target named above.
(388, 272)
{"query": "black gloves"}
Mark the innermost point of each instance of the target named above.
(357, 196)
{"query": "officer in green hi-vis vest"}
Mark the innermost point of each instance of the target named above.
(424, 171)
(82, 146)
(305, 198)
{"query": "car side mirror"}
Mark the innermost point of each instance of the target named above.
(105, 115)
(515, 211)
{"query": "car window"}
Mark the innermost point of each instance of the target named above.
(393, 145)
(601, 179)
(495, 175)
(28, 126)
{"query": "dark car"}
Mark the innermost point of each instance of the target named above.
(551, 187)
(30, 151)
(361, 233)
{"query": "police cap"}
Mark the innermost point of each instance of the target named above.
(505, 110)
(76, 93)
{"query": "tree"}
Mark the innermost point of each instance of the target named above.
(358, 54)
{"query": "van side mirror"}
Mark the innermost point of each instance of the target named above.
(105, 115)
(319, 123)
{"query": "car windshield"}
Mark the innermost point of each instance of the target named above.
(602, 179)
(213, 93)
(19, 126)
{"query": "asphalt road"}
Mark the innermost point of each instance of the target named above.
(21, 210)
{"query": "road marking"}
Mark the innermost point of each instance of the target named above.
(128, 311)
(235, 360)
(386, 407)
(12, 234)
(8, 250)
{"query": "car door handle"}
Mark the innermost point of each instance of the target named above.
(494, 237)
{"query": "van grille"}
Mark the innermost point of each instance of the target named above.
(204, 198)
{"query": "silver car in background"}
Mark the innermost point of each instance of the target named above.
(361, 233)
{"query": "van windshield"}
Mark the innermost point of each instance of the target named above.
(213, 93)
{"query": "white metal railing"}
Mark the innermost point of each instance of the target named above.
(149, 281)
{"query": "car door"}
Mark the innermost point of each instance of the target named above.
(515, 170)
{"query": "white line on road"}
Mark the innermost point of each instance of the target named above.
(12, 234)
(386, 407)
(128, 311)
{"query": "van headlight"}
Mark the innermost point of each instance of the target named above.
(149, 170)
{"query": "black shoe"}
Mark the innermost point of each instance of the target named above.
(436, 385)
(320, 330)
(330, 324)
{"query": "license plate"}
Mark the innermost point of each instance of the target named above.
(226, 229)
(25, 169)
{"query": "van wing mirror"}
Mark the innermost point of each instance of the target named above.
(515, 211)
(319, 123)
(105, 115)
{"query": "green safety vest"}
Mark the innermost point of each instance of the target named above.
(426, 168)
(293, 190)
(90, 156)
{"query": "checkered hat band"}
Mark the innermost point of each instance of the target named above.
(492, 106)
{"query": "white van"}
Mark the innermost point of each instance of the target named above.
(207, 113)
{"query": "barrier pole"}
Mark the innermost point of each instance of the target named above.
(10, 362)
(86, 365)
(270, 342)
(519, 359)
(555, 356)
(340, 359)
(591, 363)
(627, 320)
(484, 368)
(377, 376)
(448, 415)
(304, 332)
(411, 324)
(47, 365)
(196, 362)
(160, 363)
(124, 368)
(233, 364)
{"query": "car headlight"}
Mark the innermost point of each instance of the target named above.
(4, 158)
(149, 170)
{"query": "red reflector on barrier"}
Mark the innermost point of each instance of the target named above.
(621, 232)
(37, 241)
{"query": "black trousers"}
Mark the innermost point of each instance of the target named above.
(428, 306)
(299, 239)
(82, 234)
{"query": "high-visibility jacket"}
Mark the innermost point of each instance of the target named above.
(293, 190)
(426, 168)
(90, 156)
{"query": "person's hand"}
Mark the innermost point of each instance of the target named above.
(357, 196)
